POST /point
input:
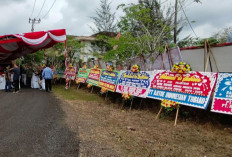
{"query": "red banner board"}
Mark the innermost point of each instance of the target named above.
(192, 83)
(94, 77)
(191, 89)
(70, 73)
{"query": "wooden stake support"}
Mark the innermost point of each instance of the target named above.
(177, 113)
(211, 52)
(161, 108)
(207, 52)
(78, 86)
(92, 90)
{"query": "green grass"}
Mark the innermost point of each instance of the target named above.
(73, 94)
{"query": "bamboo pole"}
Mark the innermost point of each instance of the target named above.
(163, 58)
(205, 54)
(177, 113)
(207, 62)
(78, 85)
(92, 90)
(161, 108)
(210, 50)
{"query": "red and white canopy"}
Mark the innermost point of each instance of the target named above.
(16, 45)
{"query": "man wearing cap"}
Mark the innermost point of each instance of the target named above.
(48, 76)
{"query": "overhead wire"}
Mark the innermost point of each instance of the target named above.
(188, 21)
(41, 9)
(33, 9)
(49, 9)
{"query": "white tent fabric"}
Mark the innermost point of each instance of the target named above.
(2, 82)
(16, 45)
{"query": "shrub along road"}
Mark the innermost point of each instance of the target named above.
(33, 123)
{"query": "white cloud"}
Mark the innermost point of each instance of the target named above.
(74, 15)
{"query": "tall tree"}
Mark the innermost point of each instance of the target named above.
(222, 35)
(144, 29)
(105, 19)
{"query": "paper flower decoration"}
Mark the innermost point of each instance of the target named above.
(84, 66)
(109, 68)
(89, 85)
(103, 90)
(181, 68)
(70, 66)
(126, 96)
(95, 66)
(135, 68)
(169, 105)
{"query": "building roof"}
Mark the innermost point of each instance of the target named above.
(109, 34)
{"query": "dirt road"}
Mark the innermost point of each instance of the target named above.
(32, 123)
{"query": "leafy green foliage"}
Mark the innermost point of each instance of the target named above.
(189, 41)
(126, 48)
(35, 58)
(101, 46)
(222, 35)
(145, 30)
(73, 49)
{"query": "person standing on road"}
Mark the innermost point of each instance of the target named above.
(16, 76)
(48, 76)
(8, 79)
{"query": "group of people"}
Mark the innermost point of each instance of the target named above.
(16, 77)
(45, 73)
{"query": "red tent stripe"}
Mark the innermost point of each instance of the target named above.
(17, 45)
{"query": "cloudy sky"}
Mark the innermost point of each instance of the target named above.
(74, 15)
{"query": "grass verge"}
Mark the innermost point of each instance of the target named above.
(75, 94)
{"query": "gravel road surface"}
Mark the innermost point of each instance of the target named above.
(32, 123)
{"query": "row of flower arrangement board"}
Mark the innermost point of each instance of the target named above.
(190, 88)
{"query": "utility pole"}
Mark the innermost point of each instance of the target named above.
(33, 22)
(175, 22)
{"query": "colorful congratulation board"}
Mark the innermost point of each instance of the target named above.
(82, 75)
(137, 84)
(109, 80)
(222, 102)
(191, 89)
(94, 77)
(70, 73)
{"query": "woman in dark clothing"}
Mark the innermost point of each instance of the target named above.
(8, 79)
(16, 77)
